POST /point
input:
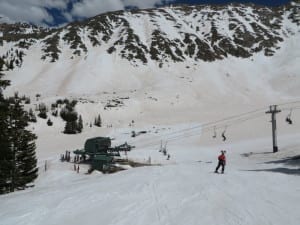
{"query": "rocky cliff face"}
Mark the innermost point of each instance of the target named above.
(169, 34)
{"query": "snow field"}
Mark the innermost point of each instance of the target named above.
(258, 188)
(185, 190)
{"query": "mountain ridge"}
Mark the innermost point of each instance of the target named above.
(167, 34)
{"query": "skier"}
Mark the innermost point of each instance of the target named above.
(222, 161)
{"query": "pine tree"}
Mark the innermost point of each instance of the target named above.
(22, 146)
(37, 96)
(55, 113)
(69, 114)
(43, 111)
(80, 124)
(70, 127)
(3, 85)
(27, 161)
(5, 153)
(27, 100)
(49, 122)
(17, 152)
(11, 64)
(98, 121)
(5, 156)
(2, 63)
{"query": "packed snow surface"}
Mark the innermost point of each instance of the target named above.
(258, 187)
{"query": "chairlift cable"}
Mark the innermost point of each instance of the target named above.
(194, 133)
(233, 119)
(186, 133)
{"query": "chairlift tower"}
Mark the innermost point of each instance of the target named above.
(273, 110)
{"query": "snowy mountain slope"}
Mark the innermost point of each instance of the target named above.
(188, 92)
(171, 78)
(142, 45)
(169, 34)
(252, 51)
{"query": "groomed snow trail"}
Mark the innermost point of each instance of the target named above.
(184, 191)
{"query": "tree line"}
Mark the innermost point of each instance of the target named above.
(18, 163)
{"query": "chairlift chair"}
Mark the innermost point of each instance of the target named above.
(223, 134)
(288, 118)
(215, 132)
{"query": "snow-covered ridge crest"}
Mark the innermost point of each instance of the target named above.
(168, 34)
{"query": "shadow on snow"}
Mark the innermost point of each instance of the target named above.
(293, 161)
(288, 171)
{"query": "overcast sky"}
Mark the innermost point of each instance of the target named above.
(58, 12)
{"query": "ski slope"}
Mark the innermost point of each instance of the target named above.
(183, 190)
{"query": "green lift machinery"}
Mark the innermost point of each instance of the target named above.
(99, 153)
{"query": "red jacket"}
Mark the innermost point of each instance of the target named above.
(222, 158)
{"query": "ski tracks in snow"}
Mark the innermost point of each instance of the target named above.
(161, 208)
